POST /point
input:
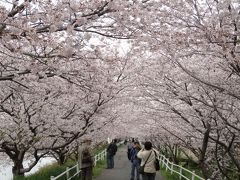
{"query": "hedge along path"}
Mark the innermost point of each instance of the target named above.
(122, 168)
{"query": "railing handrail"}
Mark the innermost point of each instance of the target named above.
(67, 170)
(162, 159)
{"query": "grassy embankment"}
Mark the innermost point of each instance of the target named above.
(187, 164)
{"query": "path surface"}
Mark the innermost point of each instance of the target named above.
(122, 168)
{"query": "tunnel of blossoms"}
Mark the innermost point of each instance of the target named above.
(160, 70)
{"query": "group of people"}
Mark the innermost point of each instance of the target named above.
(144, 157)
(140, 157)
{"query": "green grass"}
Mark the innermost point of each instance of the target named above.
(168, 175)
(97, 170)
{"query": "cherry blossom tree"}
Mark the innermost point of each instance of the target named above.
(54, 80)
(199, 48)
(61, 81)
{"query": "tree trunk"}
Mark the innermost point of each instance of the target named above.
(17, 157)
(16, 169)
(61, 159)
(202, 157)
(175, 155)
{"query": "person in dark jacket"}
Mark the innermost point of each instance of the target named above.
(85, 160)
(135, 161)
(87, 165)
(129, 148)
(111, 151)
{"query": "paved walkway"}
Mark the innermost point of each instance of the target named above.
(122, 168)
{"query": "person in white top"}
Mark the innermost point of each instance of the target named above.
(149, 154)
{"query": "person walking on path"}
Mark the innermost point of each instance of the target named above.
(135, 160)
(129, 148)
(85, 161)
(148, 157)
(111, 151)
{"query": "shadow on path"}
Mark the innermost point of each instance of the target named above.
(122, 168)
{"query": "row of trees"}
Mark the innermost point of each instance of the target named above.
(160, 68)
(59, 78)
(192, 89)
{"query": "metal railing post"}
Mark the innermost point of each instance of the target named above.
(163, 162)
(193, 175)
(180, 177)
(67, 173)
(172, 168)
(95, 161)
(77, 169)
(52, 178)
(167, 165)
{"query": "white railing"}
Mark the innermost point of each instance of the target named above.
(174, 167)
(100, 156)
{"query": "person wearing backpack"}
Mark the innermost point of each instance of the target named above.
(135, 160)
(111, 151)
(148, 161)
